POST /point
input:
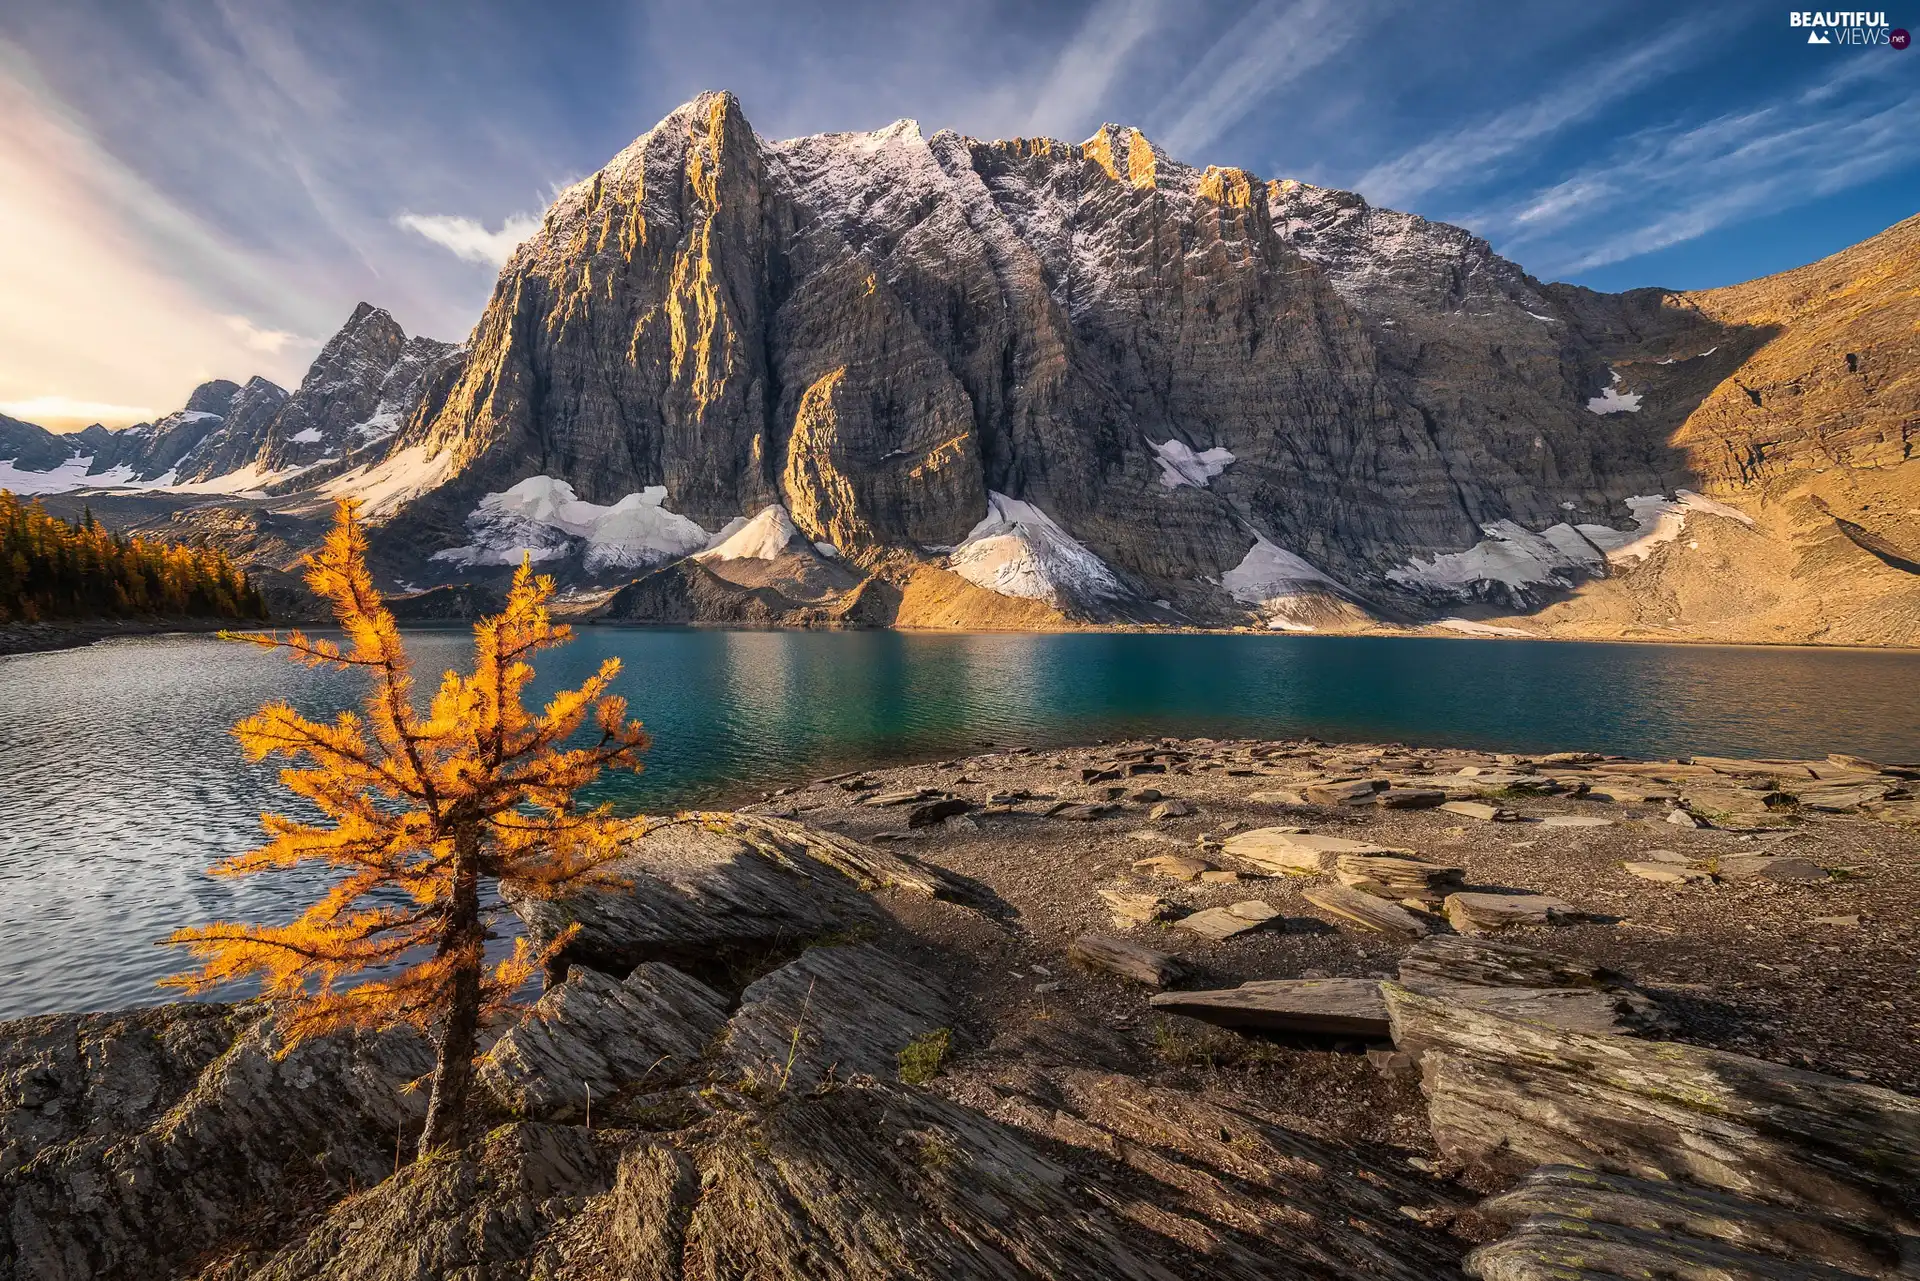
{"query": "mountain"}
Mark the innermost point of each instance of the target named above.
(1034, 383)
(366, 380)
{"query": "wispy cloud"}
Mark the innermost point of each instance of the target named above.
(271, 341)
(469, 239)
(63, 413)
(1465, 154)
(1664, 187)
(1269, 48)
(1082, 79)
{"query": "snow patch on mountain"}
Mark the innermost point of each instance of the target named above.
(1560, 554)
(1657, 520)
(1180, 465)
(1510, 554)
(384, 486)
(764, 537)
(1018, 550)
(540, 519)
(1467, 627)
(68, 476)
(1283, 588)
(1614, 401)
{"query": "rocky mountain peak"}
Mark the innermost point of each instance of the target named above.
(212, 397)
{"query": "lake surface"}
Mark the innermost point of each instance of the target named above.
(119, 782)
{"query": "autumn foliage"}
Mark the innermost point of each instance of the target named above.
(50, 569)
(422, 813)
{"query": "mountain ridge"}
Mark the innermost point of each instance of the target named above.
(1207, 398)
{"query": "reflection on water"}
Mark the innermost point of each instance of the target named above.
(119, 782)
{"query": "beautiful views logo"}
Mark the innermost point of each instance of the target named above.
(1849, 28)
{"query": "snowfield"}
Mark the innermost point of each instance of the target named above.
(1018, 550)
(540, 518)
(1560, 554)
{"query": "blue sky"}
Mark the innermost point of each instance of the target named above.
(191, 188)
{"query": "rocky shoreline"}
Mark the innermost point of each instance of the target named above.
(1148, 1009)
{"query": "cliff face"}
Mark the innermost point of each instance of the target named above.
(1202, 391)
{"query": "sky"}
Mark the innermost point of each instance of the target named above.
(205, 188)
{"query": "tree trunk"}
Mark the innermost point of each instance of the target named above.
(453, 1068)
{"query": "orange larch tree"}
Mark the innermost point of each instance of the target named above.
(423, 811)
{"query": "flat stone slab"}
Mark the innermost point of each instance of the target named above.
(1575, 820)
(1481, 810)
(1318, 1007)
(1772, 867)
(1579, 1009)
(1171, 808)
(1477, 913)
(1353, 792)
(1367, 911)
(1218, 924)
(1127, 960)
(1081, 813)
(1296, 853)
(1396, 876)
(1669, 873)
(1277, 796)
(1177, 867)
(1409, 798)
(1130, 909)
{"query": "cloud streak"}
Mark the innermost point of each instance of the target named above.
(1270, 48)
(1465, 154)
(1664, 187)
(470, 240)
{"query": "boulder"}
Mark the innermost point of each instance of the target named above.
(710, 885)
(593, 1035)
(1478, 913)
(1173, 807)
(1565, 1217)
(934, 812)
(1124, 959)
(210, 1166)
(1507, 1094)
(834, 1012)
(1312, 1007)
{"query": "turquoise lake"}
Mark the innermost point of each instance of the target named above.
(119, 782)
